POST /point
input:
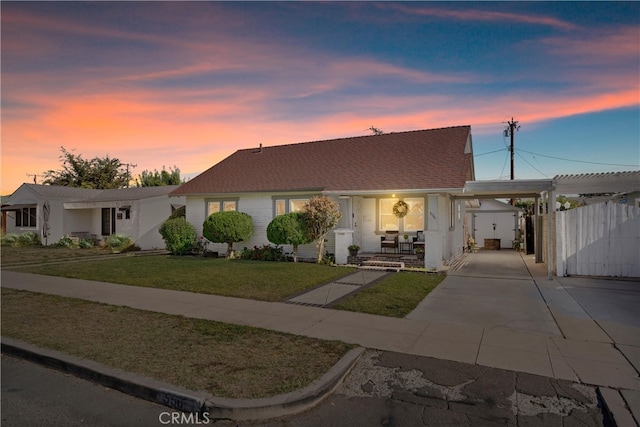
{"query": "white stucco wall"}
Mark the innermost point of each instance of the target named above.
(259, 207)
(148, 217)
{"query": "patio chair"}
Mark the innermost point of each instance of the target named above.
(389, 240)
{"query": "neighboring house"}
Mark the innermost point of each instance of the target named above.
(54, 212)
(491, 219)
(366, 175)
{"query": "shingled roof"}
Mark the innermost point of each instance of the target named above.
(425, 159)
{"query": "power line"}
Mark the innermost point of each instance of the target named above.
(576, 161)
(527, 161)
(490, 152)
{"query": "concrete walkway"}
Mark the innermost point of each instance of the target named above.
(327, 295)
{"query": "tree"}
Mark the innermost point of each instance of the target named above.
(228, 227)
(289, 229)
(321, 215)
(157, 179)
(100, 173)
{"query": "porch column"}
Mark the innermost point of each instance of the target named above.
(344, 238)
(434, 233)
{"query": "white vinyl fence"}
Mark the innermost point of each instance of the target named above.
(599, 240)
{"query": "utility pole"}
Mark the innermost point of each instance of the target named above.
(135, 166)
(511, 130)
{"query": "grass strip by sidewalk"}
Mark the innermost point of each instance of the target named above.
(395, 296)
(223, 359)
(259, 280)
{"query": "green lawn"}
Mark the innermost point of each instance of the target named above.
(41, 254)
(395, 296)
(222, 359)
(259, 280)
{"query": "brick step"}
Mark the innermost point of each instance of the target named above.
(382, 265)
(374, 268)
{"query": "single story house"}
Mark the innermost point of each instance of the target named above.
(366, 175)
(54, 212)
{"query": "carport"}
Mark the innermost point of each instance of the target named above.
(541, 190)
(544, 192)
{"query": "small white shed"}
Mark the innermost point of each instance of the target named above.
(493, 221)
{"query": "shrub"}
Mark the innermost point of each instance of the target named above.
(65, 242)
(289, 229)
(9, 239)
(29, 239)
(263, 253)
(86, 243)
(228, 227)
(181, 212)
(179, 235)
(119, 243)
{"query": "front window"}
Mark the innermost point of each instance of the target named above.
(26, 217)
(414, 220)
(297, 205)
(411, 222)
(286, 205)
(388, 221)
(215, 206)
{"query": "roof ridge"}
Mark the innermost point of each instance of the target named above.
(351, 137)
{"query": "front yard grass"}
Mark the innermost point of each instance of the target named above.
(35, 254)
(259, 280)
(395, 296)
(222, 359)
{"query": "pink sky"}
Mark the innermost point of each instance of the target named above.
(121, 106)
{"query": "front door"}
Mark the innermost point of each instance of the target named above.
(108, 221)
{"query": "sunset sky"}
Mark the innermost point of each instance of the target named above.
(186, 84)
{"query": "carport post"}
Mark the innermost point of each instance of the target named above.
(551, 206)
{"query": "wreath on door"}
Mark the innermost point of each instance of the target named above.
(400, 209)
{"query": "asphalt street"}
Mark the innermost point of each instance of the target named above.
(394, 389)
(33, 395)
(383, 389)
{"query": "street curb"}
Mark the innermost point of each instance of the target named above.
(179, 398)
(285, 404)
(614, 408)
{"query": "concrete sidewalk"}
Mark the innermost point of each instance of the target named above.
(570, 356)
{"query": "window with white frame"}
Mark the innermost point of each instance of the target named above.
(414, 220)
(297, 205)
(283, 205)
(280, 207)
(387, 220)
(26, 217)
(215, 206)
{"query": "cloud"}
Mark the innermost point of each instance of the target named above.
(482, 16)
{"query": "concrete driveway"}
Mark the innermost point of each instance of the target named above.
(493, 290)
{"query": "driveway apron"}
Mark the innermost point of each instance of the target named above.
(493, 290)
